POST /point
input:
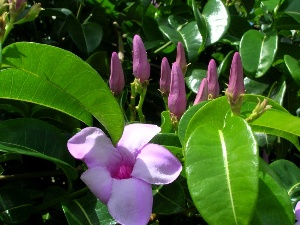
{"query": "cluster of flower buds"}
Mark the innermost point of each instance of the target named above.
(209, 86)
(14, 12)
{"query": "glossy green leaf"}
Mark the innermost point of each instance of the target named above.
(289, 174)
(87, 36)
(87, 210)
(194, 79)
(293, 66)
(270, 4)
(273, 203)
(222, 170)
(217, 18)
(206, 114)
(39, 139)
(280, 124)
(168, 199)
(15, 205)
(292, 8)
(185, 119)
(201, 24)
(258, 51)
(179, 30)
(169, 139)
(54, 78)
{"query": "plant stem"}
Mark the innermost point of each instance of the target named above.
(139, 107)
(132, 102)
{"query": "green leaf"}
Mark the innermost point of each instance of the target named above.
(54, 78)
(201, 24)
(273, 203)
(169, 139)
(39, 139)
(292, 8)
(205, 115)
(293, 66)
(258, 51)
(289, 175)
(166, 123)
(179, 30)
(270, 4)
(196, 75)
(217, 18)
(87, 36)
(168, 199)
(280, 124)
(185, 119)
(87, 210)
(15, 205)
(222, 170)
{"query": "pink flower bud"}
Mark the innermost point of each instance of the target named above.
(236, 80)
(212, 79)
(141, 66)
(177, 96)
(180, 58)
(165, 77)
(116, 79)
(236, 89)
(202, 92)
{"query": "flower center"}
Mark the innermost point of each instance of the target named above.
(123, 172)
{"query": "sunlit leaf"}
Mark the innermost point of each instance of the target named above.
(222, 170)
(58, 79)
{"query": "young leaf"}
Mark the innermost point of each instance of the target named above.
(222, 171)
(58, 79)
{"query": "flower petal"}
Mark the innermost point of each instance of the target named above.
(156, 165)
(131, 201)
(93, 147)
(297, 211)
(134, 137)
(99, 181)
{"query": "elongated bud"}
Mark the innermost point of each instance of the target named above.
(180, 58)
(202, 92)
(165, 77)
(116, 79)
(177, 96)
(141, 66)
(236, 89)
(212, 79)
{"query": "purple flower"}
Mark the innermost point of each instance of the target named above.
(212, 79)
(116, 79)
(165, 77)
(202, 92)
(297, 213)
(141, 66)
(180, 58)
(121, 176)
(236, 89)
(177, 96)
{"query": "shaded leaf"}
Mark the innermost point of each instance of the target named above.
(273, 203)
(258, 51)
